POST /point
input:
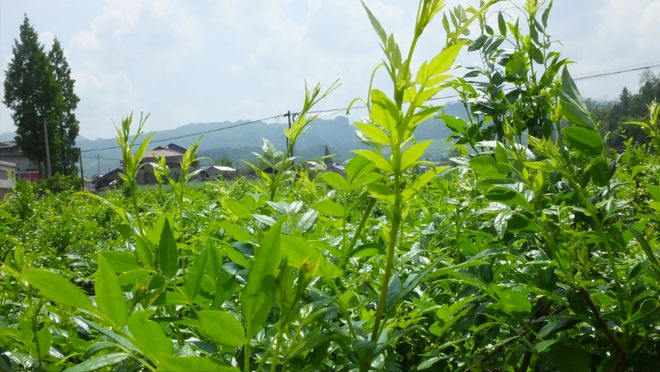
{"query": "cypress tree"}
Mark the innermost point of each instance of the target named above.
(65, 154)
(39, 91)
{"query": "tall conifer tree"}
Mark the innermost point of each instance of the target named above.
(39, 91)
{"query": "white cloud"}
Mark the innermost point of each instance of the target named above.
(118, 18)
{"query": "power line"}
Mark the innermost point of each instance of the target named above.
(193, 134)
(617, 72)
(343, 109)
(585, 77)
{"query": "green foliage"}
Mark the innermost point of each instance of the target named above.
(40, 92)
(530, 253)
(629, 107)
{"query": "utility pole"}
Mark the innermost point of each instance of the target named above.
(291, 116)
(98, 165)
(286, 138)
(48, 168)
(82, 176)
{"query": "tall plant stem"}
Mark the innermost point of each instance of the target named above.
(391, 250)
(380, 310)
(358, 232)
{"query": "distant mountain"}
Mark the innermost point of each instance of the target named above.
(237, 144)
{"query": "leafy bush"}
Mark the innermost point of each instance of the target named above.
(537, 250)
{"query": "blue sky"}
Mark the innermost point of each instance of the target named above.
(217, 60)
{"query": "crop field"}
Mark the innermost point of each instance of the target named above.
(535, 247)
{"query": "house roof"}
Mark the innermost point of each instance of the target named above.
(157, 153)
(223, 168)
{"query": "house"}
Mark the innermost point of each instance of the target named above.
(108, 181)
(26, 169)
(173, 155)
(217, 171)
(7, 170)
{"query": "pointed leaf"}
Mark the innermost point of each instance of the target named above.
(56, 288)
(109, 297)
(148, 336)
(583, 139)
(168, 256)
(193, 363)
(413, 153)
(97, 363)
(376, 158)
(373, 133)
(335, 180)
(222, 327)
(193, 280)
(257, 295)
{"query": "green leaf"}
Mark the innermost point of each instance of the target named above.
(599, 171)
(383, 111)
(109, 297)
(222, 327)
(455, 124)
(358, 167)
(376, 25)
(376, 158)
(44, 340)
(168, 256)
(569, 357)
(649, 306)
(645, 246)
(56, 288)
(238, 208)
(97, 363)
(193, 363)
(112, 335)
(121, 261)
(501, 23)
(328, 207)
(237, 232)
(444, 60)
(654, 190)
(335, 180)
(486, 166)
(306, 221)
(300, 253)
(257, 295)
(193, 280)
(410, 156)
(513, 300)
(572, 104)
(144, 251)
(367, 250)
(583, 139)
(507, 196)
(373, 133)
(148, 336)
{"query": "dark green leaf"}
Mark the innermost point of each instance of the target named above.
(193, 363)
(109, 296)
(168, 255)
(56, 288)
(148, 336)
(97, 363)
(583, 139)
(257, 296)
(193, 280)
(121, 261)
(486, 166)
(221, 327)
